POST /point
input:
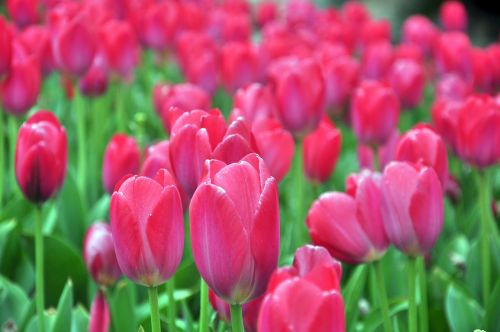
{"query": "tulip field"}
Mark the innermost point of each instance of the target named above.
(236, 165)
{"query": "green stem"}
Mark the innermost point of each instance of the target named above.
(12, 129)
(203, 306)
(424, 320)
(376, 160)
(382, 295)
(155, 314)
(120, 94)
(39, 268)
(2, 157)
(237, 318)
(81, 142)
(299, 196)
(412, 305)
(171, 309)
(485, 211)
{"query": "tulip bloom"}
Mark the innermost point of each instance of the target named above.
(445, 119)
(100, 317)
(95, 81)
(236, 144)
(453, 54)
(384, 155)
(452, 87)
(424, 146)
(374, 112)
(157, 157)
(420, 31)
(341, 77)
(321, 150)
(99, 254)
(157, 24)
(478, 131)
(5, 47)
(300, 94)
(149, 211)
(24, 12)
(265, 12)
(41, 156)
(376, 60)
(305, 296)
(240, 65)
(121, 47)
(235, 228)
(350, 225)
(453, 16)
(407, 78)
(412, 207)
(122, 157)
(36, 39)
(253, 102)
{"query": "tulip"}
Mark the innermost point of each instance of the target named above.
(236, 143)
(41, 156)
(300, 94)
(424, 146)
(478, 131)
(420, 31)
(95, 81)
(24, 12)
(36, 39)
(445, 119)
(253, 102)
(235, 27)
(371, 160)
(121, 47)
(99, 254)
(99, 319)
(265, 12)
(341, 77)
(376, 60)
(321, 149)
(407, 78)
(150, 212)
(275, 145)
(306, 296)
(300, 13)
(157, 157)
(240, 66)
(374, 32)
(452, 87)
(453, 54)
(122, 157)
(194, 137)
(156, 25)
(412, 207)
(482, 74)
(5, 47)
(374, 112)
(453, 16)
(409, 52)
(235, 228)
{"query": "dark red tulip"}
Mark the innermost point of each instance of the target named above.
(376, 60)
(300, 94)
(478, 131)
(453, 16)
(120, 46)
(306, 296)
(156, 24)
(385, 153)
(122, 157)
(253, 102)
(452, 87)
(99, 254)
(24, 12)
(275, 145)
(195, 135)
(421, 145)
(100, 318)
(20, 88)
(321, 149)
(453, 54)
(407, 78)
(95, 81)
(445, 119)
(420, 31)
(149, 211)
(36, 40)
(235, 236)
(374, 112)
(412, 207)
(41, 156)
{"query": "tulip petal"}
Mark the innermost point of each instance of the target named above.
(232, 149)
(330, 314)
(99, 314)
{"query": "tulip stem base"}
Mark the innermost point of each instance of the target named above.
(171, 309)
(155, 313)
(237, 318)
(81, 142)
(203, 306)
(485, 211)
(40, 302)
(384, 305)
(423, 314)
(412, 303)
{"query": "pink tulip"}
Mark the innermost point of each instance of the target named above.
(407, 78)
(423, 146)
(412, 207)
(375, 31)
(236, 143)
(306, 296)
(95, 81)
(385, 153)
(24, 12)
(452, 87)
(341, 77)
(99, 254)
(453, 16)
(5, 47)
(321, 149)
(478, 131)
(300, 13)
(235, 228)
(453, 54)
(122, 157)
(374, 112)
(253, 102)
(376, 60)
(148, 211)
(445, 119)
(265, 12)
(100, 318)
(121, 47)
(420, 31)
(482, 74)
(36, 40)
(157, 157)
(409, 52)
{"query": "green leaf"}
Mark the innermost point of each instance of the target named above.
(352, 293)
(375, 318)
(80, 320)
(122, 306)
(143, 310)
(100, 209)
(462, 312)
(14, 303)
(63, 320)
(492, 318)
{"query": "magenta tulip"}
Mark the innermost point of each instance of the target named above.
(445, 119)
(100, 318)
(420, 31)
(407, 78)
(41, 156)
(236, 143)
(453, 54)
(157, 157)
(376, 60)
(453, 16)
(148, 229)
(384, 153)
(253, 102)
(121, 47)
(235, 228)
(5, 47)
(24, 12)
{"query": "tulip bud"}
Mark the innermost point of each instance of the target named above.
(275, 145)
(300, 94)
(41, 156)
(421, 145)
(407, 78)
(95, 81)
(122, 157)
(453, 16)
(478, 131)
(150, 212)
(453, 54)
(5, 48)
(420, 31)
(100, 317)
(121, 47)
(253, 102)
(412, 207)
(374, 112)
(306, 296)
(235, 236)
(99, 254)
(24, 12)
(376, 60)
(240, 66)
(321, 151)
